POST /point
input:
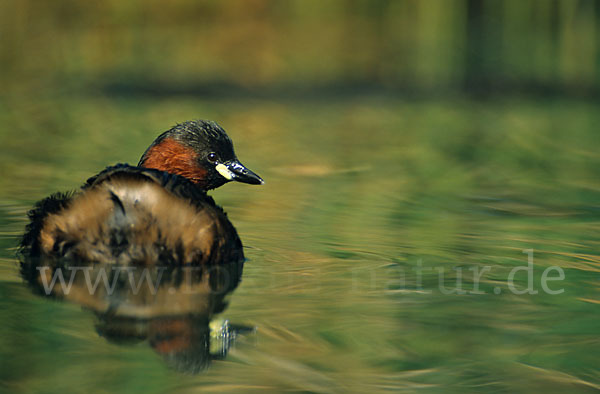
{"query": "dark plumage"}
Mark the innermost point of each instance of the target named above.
(156, 213)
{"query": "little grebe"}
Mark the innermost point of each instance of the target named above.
(155, 213)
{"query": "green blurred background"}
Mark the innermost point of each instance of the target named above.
(212, 47)
(456, 133)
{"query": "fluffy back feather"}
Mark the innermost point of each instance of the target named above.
(132, 215)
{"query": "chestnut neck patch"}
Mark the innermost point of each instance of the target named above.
(175, 158)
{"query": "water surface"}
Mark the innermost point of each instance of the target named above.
(373, 208)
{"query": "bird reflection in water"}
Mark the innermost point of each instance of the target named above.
(170, 307)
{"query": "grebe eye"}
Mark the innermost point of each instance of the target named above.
(212, 157)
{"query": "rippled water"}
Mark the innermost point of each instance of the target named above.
(380, 250)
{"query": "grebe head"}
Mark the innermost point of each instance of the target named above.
(200, 151)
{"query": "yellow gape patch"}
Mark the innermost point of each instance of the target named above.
(223, 170)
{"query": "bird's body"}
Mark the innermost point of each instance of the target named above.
(156, 213)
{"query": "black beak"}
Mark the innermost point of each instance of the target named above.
(239, 173)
